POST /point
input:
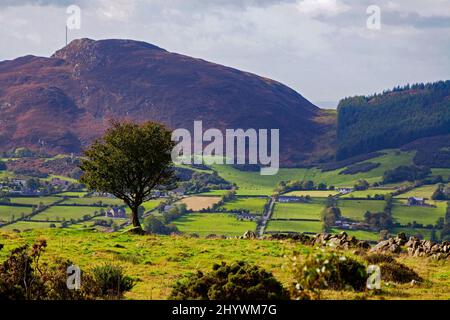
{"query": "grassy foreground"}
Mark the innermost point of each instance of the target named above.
(158, 261)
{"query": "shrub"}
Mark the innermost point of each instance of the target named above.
(55, 279)
(398, 272)
(237, 281)
(156, 225)
(22, 277)
(391, 270)
(19, 279)
(111, 280)
(322, 270)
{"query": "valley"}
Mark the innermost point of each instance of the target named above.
(298, 211)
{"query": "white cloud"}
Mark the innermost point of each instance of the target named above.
(321, 7)
(119, 10)
(320, 48)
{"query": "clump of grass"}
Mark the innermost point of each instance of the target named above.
(111, 280)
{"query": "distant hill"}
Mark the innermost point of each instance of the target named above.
(393, 119)
(60, 104)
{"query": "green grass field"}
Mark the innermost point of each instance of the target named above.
(204, 224)
(7, 212)
(360, 234)
(93, 201)
(426, 233)
(157, 262)
(213, 193)
(366, 193)
(252, 183)
(310, 210)
(420, 192)
(355, 209)
(294, 226)
(72, 194)
(424, 215)
(28, 225)
(254, 205)
(151, 204)
(65, 212)
(445, 173)
(35, 200)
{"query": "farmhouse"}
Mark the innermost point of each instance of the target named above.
(178, 192)
(59, 183)
(287, 199)
(344, 190)
(167, 208)
(116, 212)
(414, 201)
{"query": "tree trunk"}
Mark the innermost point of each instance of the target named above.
(135, 218)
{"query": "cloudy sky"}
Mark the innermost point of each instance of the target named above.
(321, 48)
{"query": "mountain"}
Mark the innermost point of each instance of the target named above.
(396, 118)
(61, 103)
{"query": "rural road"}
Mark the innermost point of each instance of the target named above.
(266, 217)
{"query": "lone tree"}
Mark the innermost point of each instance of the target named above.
(129, 162)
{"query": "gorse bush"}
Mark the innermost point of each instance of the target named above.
(237, 281)
(322, 270)
(111, 280)
(19, 277)
(24, 277)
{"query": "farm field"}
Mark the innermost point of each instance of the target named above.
(420, 214)
(426, 233)
(28, 225)
(312, 210)
(355, 209)
(213, 193)
(445, 173)
(151, 204)
(252, 183)
(65, 212)
(35, 200)
(205, 224)
(294, 226)
(72, 194)
(6, 212)
(368, 192)
(198, 203)
(159, 261)
(93, 201)
(360, 234)
(253, 205)
(420, 192)
(312, 193)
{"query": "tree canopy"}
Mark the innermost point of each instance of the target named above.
(130, 161)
